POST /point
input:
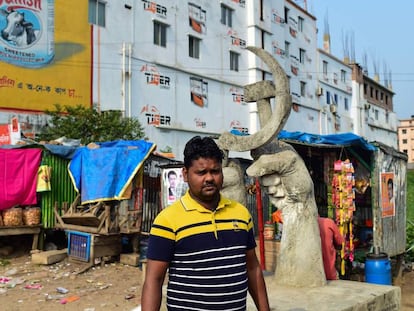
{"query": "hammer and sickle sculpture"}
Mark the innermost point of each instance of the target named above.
(271, 123)
(261, 93)
(299, 262)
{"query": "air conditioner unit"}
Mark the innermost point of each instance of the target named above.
(319, 91)
(333, 108)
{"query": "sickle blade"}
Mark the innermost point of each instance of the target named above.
(272, 124)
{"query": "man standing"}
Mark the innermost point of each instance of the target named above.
(206, 241)
(331, 240)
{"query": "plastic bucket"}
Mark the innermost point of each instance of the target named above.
(378, 269)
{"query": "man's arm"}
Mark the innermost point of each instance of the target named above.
(257, 286)
(152, 289)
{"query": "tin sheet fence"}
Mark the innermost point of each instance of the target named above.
(62, 190)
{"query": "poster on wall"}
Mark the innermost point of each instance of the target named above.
(173, 185)
(45, 57)
(387, 194)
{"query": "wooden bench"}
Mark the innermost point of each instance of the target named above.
(19, 230)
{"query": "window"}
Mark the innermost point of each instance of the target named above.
(404, 131)
(346, 104)
(234, 61)
(226, 15)
(193, 47)
(335, 99)
(325, 69)
(404, 141)
(160, 34)
(286, 14)
(96, 12)
(328, 98)
(343, 76)
(302, 88)
(300, 23)
(302, 54)
(287, 46)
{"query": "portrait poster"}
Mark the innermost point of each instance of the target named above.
(387, 194)
(173, 185)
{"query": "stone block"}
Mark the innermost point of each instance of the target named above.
(49, 257)
(129, 259)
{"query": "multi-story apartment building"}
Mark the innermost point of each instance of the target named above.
(334, 94)
(374, 107)
(406, 139)
(180, 68)
(351, 101)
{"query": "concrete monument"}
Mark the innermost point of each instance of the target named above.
(285, 177)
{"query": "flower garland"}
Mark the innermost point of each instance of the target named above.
(343, 199)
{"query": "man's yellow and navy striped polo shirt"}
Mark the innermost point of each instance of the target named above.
(207, 253)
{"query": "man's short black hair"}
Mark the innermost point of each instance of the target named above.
(172, 172)
(198, 147)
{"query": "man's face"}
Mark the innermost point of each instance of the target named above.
(390, 190)
(204, 178)
(172, 180)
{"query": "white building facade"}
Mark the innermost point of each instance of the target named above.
(180, 68)
(334, 95)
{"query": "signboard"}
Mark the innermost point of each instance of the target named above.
(51, 67)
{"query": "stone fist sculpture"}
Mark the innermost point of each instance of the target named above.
(289, 186)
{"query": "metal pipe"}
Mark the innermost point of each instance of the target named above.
(260, 224)
(123, 80)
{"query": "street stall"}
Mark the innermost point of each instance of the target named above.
(362, 186)
(104, 175)
(20, 214)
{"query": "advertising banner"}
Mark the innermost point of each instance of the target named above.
(45, 54)
(387, 194)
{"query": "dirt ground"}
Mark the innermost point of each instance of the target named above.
(109, 286)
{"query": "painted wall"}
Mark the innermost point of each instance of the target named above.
(53, 69)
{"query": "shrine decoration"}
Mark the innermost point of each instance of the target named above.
(343, 199)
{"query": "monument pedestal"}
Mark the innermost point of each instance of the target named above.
(335, 296)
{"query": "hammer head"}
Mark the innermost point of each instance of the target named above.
(259, 90)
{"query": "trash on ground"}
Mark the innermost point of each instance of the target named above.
(62, 290)
(69, 299)
(33, 286)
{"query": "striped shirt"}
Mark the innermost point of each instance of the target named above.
(207, 254)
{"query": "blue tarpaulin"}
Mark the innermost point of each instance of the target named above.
(105, 173)
(345, 139)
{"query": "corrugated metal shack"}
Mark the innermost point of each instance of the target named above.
(373, 224)
(389, 232)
